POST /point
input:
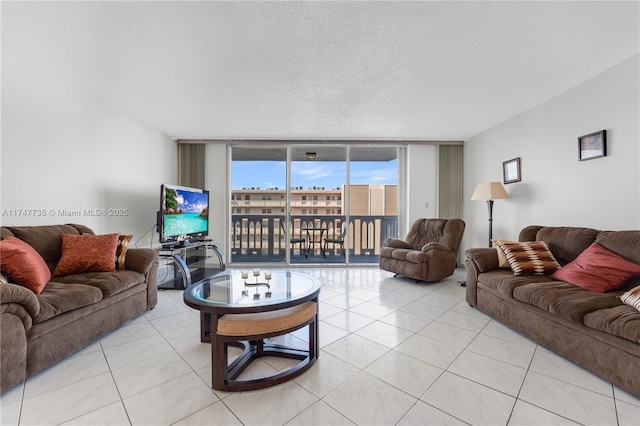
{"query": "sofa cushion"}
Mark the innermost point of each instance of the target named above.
(109, 283)
(626, 244)
(23, 264)
(58, 298)
(46, 239)
(504, 282)
(622, 321)
(5, 232)
(632, 297)
(597, 269)
(563, 299)
(87, 253)
(566, 242)
(529, 257)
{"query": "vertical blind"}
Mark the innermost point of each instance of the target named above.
(450, 184)
(191, 164)
(450, 181)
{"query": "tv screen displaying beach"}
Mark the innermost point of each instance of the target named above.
(185, 212)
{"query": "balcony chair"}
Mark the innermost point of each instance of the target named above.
(304, 247)
(429, 252)
(336, 240)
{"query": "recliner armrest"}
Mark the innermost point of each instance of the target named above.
(435, 247)
(396, 243)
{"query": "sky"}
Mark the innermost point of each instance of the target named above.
(327, 174)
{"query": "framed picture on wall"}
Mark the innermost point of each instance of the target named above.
(511, 170)
(593, 145)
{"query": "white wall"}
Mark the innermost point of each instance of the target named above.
(557, 189)
(64, 150)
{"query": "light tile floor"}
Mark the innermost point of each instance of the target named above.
(392, 352)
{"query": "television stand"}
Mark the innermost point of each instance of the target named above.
(188, 264)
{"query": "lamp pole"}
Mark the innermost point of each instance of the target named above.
(490, 206)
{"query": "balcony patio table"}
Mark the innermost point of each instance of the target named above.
(311, 241)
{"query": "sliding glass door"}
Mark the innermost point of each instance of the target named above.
(318, 179)
(258, 204)
(312, 203)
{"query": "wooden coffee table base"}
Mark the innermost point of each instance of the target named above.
(254, 350)
(252, 333)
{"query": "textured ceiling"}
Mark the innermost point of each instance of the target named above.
(322, 70)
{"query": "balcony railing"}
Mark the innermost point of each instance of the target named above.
(263, 238)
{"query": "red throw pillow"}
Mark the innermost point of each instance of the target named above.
(597, 269)
(87, 253)
(23, 264)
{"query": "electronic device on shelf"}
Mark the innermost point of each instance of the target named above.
(184, 215)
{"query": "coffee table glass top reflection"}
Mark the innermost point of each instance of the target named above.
(229, 291)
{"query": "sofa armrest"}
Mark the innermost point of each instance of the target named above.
(14, 294)
(13, 347)
(140, 259)
(17, 308)
(396, 243)
(478, 260)
(484, 259)
(145, 261)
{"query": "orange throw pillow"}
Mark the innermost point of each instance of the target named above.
(23, 264)
(87, 253)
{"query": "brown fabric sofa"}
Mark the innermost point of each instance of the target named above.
(429, 253)
(595, 330)
(37, 330)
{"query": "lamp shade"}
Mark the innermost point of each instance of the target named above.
(490, 191)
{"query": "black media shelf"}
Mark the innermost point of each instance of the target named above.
(190, 264)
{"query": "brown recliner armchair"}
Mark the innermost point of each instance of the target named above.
(429, 253)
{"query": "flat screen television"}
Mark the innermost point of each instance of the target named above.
(183, 215)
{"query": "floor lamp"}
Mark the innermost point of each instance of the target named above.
(490, 191)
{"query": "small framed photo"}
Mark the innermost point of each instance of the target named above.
(593, 145)
(511, 170)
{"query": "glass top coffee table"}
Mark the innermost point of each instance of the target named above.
(264, 303)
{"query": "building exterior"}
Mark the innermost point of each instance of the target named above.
(365, 199)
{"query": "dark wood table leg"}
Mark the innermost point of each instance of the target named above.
(205, 327)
